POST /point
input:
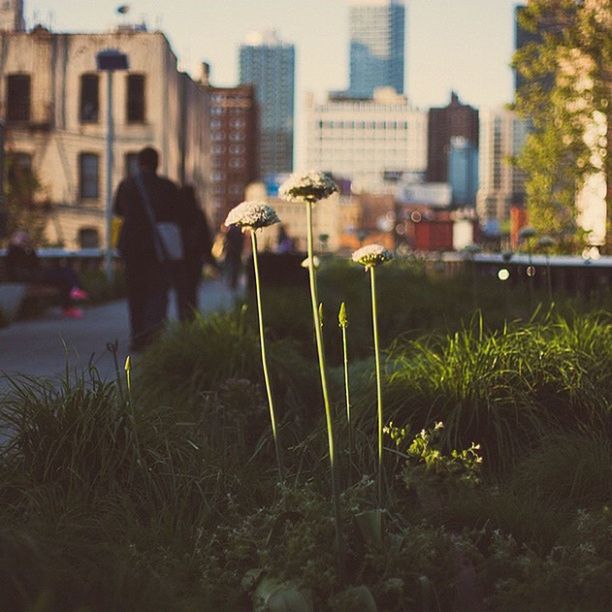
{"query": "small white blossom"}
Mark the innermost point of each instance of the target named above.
(372, 255)
(252, 215)
(310, 187)
(315, 262)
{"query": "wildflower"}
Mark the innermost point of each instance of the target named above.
(310, 187)
(372, 255)
(315, 262)
(252, 215)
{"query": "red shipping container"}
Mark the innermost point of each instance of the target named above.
(433, 236)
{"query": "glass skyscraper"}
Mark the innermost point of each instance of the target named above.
(377, 46)
(269, 64)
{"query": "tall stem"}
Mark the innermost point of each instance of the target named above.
(378, 382)
(347, 398)
(549, 279)
(264, 359)
(328, 414)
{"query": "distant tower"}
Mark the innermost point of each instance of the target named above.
(11, 16)
(377, 46)
(454, 119)
(269, 64)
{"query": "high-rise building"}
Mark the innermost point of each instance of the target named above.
(376, 46)
(463, 171)
(371, 142)
(233, 135)
(268, 64)
(502, 135)
(454, 119)
(523, 37)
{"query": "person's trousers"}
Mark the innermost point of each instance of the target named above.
(147, 295)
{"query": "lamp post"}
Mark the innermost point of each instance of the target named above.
(109, 60)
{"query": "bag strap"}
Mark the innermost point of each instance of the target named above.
(160, 249)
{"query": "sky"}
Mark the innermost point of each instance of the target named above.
(464, 45)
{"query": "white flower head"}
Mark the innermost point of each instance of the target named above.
(315, 262)
(310, 187)
(372, 255)
(252, 215)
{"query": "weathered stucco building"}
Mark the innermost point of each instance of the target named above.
(53, 104)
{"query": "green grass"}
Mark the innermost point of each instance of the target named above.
(168, 499)
(505, 389)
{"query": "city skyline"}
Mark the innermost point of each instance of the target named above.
(445, 41)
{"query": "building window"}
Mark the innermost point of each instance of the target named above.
(89, 238)
(89, 175)
(135, 98)
(131, 164)
(90, 93)
(18, 97)
(19, 166)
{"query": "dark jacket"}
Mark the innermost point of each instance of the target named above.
(22, 264)
(136, 236)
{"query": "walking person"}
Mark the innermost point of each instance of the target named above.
(197, 245)
(144, 201)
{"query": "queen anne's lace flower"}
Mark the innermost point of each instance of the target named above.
(310, 187)
(252, 215)
(372, 255)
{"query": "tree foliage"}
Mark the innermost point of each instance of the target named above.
(567, 75)
(23, 210)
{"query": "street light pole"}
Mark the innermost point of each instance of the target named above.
(108, 209)
(108, 61)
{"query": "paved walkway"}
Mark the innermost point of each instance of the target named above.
(44, 347)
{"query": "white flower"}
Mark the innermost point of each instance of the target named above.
(310, 187)
(252, 215)
(372, 255)
(315, 262)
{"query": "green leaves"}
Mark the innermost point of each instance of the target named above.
(271, 595)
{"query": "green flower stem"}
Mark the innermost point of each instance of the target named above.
(328, 414)
(264, 359)
(378, 383)
(549, 279)
(347, 397)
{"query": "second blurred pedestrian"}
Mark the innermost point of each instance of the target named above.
(197, 244)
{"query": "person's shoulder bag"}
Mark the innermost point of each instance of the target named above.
(167, 237)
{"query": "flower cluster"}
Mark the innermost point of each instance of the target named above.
(372, 255)
(305, 188)
(252, 215)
